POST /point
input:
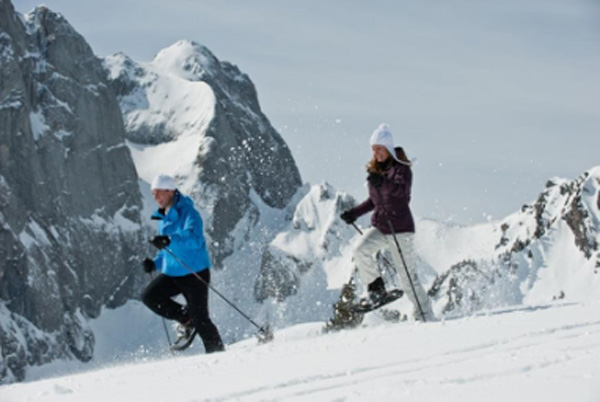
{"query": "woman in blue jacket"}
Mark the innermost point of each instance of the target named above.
(181, 229)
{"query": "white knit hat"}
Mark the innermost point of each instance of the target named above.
(383, 136)
(163, 182)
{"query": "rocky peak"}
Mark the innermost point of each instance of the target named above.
(188, 60)
(194, 62)
(52, 37)
(544, 253)
(569, 201)
(70, 217)
(187, 94)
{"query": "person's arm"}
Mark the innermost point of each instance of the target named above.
(191, 231)
(362, 208)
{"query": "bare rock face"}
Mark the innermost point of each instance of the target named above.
(69, 196)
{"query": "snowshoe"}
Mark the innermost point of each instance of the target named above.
(373, 303)
(185, 336)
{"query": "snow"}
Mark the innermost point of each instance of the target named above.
(166, 96)
(124, 223)
(441, 245)
(11, 105)
(565, 271)
(174, 158)
(185, 59)
(115, 224)
(535, 353)
(38, 124)
(254, 235)
(33, 234)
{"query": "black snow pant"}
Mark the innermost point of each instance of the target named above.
(158, 297)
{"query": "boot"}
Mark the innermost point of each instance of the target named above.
(185, 335)
(376, 293)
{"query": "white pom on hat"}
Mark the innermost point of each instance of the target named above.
(383, 136)
(163, 182)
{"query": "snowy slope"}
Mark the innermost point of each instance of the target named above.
(165, 105)
(538, 353)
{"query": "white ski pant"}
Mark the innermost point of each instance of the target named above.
(374, 240)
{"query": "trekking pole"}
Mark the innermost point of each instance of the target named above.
(266, 334)
(131, 271)
(120, 285)
(389, 221)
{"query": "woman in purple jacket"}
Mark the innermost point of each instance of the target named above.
(389, 182)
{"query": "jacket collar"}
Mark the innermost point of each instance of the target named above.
(159, 214)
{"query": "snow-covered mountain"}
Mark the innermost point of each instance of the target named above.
(197, 118)
(70, 193)
(548, 250)
(69, 201)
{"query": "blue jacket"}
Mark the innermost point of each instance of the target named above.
(185, 228)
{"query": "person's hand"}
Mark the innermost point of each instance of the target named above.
(160, 241)
(375, 179)
(348, 217)
(149, 265)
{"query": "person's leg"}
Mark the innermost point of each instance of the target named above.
(158, 297)
(364, 255)
(406, 245)
(195, 292)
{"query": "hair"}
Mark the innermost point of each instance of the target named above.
(375, 167)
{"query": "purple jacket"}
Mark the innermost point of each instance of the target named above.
(392, 197)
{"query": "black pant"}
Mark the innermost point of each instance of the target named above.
(158, 297)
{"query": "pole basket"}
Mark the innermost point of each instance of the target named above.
(265, 334)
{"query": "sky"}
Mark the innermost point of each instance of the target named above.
(492, 98)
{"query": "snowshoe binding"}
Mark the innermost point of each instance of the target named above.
(185, 336)
(376, 300)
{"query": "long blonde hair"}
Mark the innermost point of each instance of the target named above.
(375, 167)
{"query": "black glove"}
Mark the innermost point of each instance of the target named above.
(348, 217)
(160, 241)
(149, 265)
(375, 179)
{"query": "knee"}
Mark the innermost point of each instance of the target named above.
(360, 250)
(199, 314)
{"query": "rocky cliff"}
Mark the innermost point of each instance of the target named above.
(69, 196)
